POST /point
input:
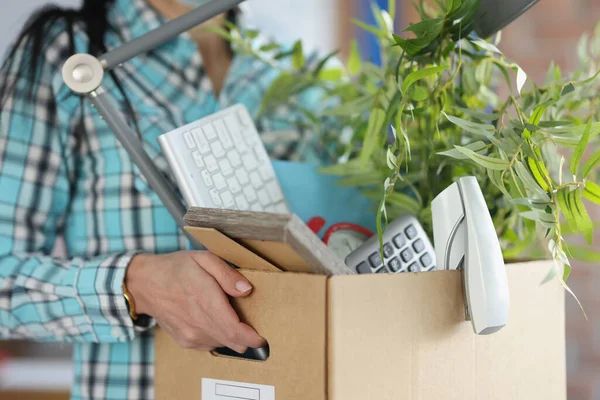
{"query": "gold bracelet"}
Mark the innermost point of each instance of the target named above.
(130, 302)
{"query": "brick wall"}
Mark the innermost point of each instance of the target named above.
(547, 32)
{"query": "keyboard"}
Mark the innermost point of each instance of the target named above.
(220, 162)
(406, 248)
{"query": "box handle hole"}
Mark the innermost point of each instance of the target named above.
(261, 354)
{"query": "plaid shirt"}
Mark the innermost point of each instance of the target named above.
(90, 192)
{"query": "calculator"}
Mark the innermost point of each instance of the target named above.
(406, 248)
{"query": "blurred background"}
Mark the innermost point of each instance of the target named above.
(548, 32)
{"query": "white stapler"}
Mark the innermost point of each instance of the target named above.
(465, 239)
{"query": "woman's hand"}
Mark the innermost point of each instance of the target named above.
(186, 292)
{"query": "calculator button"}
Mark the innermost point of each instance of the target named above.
(406, 255)
(382, 270)
(414, 267)
(394, 264)
(388, 250)
(418, 246)
(399, 241)
(411, 232)
(426, 260)
(363, 268)
(375, 260)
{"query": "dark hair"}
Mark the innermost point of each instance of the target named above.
(26, 55)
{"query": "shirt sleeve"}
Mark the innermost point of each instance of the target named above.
(43, 297)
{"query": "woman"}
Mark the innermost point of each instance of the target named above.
(62, 172)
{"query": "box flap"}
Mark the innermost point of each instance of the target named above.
(405, 337)
(287, 309)
(230, 250)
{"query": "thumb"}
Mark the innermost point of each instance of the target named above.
(232, 282)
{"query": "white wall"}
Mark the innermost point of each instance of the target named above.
(15, 12)
(288, 20)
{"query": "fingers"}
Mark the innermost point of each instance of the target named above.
(232, 282)
(189, 337)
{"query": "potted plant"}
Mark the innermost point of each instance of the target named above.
(404, 130)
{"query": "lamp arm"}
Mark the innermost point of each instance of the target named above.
(165, 32)
(129, 140)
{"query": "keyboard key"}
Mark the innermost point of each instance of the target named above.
(394, 264)
(234, 158)
(224, 137)
(211, 163)
(217, 149)
(255, 179)
(281, 208)
(215, 197)
(363, 268)
(219, 181)
(256, 207)
(189, 140)
(388, 250)
(245, 118)
(238, 142)
(406, 255)
(206, 178)
(266, 172)
(263, 197)
(198, 159)
(261, 152)
(426, 260)
(250, 194)
(228, 201)
(274, 191)
(418, 246)
(242, 176)
(209, 131)
(201, 141)
(399, 241)
(414, 267)
(375, 260)
(226, 168)
(249, 161)
(411, 232)
(241, 202)
(270, 208)
(233, 123)
(234, 185)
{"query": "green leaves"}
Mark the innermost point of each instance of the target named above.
(298, 60)
(416, 76)
(580, 149)
(572, 208)
(536, 117)
(485, 161)
(473, 127)
(591, 192)
(354, 60)
(590, 164)
(568, 88)
(477, 147)
(373, 135)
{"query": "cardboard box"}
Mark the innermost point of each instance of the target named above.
(380, 337)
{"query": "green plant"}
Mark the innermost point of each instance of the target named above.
(403, 131)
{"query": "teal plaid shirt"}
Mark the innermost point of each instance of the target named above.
(89, 191)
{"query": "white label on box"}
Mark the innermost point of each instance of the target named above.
(213, 389)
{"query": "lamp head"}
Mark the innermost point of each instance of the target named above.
(494, 15)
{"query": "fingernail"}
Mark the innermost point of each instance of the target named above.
(243, 286)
